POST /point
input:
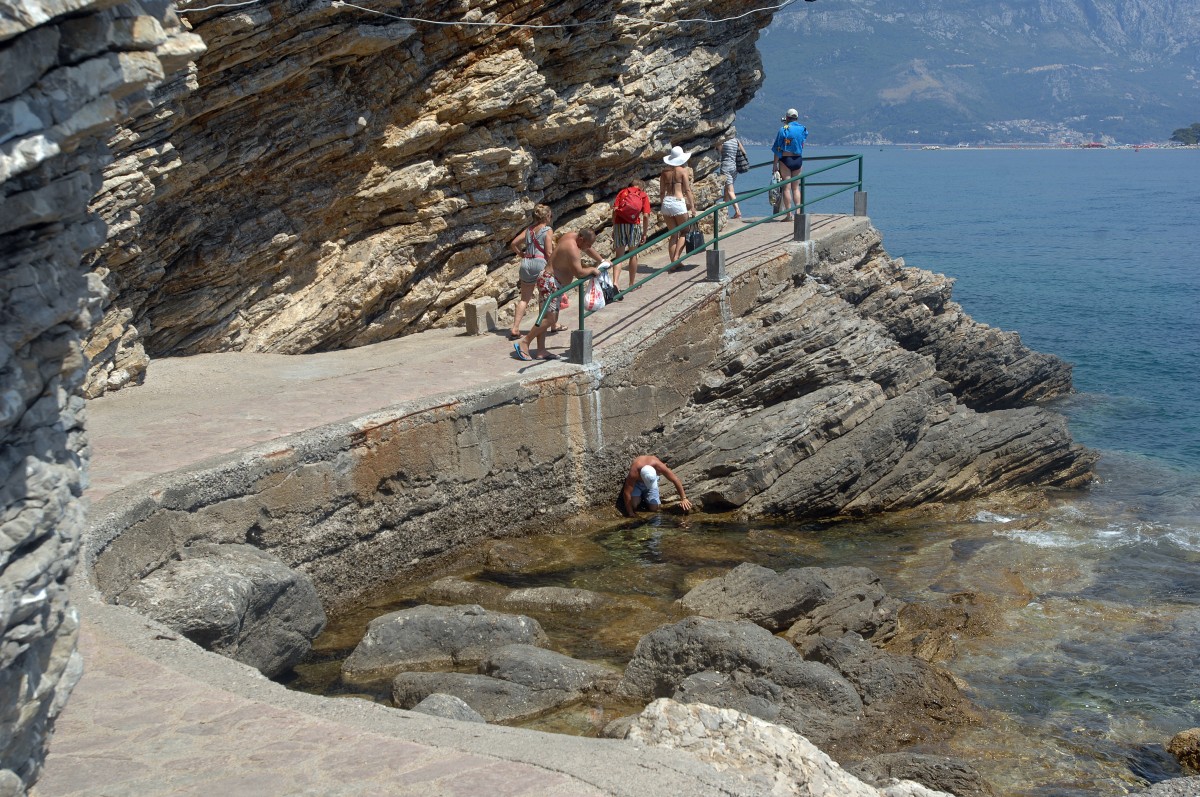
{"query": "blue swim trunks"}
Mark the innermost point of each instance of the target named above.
(651, 495)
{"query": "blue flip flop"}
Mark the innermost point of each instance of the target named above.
(520, 354)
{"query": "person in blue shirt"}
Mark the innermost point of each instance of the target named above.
(789, 157)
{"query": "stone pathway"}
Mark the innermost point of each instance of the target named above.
(138, 726)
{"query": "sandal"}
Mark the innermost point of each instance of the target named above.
(558, 328)
(520, 355)
(513, 335)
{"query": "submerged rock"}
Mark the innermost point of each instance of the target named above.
(1176, 787)
(807, 600)
(760, 595)
(538, 668)
(235, 600)
(447, 707)
(905, 700)
(936, 772)
(772, 759)
(435, 637)
(495, 699)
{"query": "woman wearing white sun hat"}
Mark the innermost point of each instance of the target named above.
(678, 204)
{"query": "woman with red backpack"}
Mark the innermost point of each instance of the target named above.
(631, 223)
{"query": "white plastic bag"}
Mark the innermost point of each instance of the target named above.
(593, 297)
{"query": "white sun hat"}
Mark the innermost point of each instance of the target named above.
(677, 157)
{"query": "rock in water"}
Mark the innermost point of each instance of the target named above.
(237, 601)
(435, 637)
(449, 707)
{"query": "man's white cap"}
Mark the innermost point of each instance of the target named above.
(649, 476)
(792, 114)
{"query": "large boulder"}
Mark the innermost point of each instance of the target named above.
(743, 666)
(772, 759)
(496, 700)
(539, 668)
(435, 637)
(806, 600)
(234, 600)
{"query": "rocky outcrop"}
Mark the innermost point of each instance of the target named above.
(774, 759)
(859, 388)
(68, 70)
(237, 601)
(337, 177)
(435, 637)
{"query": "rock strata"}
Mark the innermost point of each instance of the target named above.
(859, 388)
(69, 69)
(335, 177)
(237, 601)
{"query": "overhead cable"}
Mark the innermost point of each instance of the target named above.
(560, 25)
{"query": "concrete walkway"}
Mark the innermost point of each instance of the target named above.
(154, 715)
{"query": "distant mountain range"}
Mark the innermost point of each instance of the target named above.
(980, 71)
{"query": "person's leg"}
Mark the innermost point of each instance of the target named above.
(522, 306)
(730, 196)
(676, 245)
(548, 324)
(631, 266)
(785, 194)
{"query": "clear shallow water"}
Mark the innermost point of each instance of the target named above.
(1092, 668)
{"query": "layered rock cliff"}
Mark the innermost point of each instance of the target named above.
(327, 177)
(68, 70)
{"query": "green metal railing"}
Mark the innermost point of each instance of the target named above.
(805, 181)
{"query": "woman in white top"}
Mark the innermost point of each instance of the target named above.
(678, 204)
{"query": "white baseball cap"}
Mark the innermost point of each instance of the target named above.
(649, 476)
(793, 113)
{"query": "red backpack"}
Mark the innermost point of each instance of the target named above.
(629, 205)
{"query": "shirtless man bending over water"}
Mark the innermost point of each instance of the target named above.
(567, 265)
(642, 484)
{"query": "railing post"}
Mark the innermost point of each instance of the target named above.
(581, 346)
(803, 227)
(715, 260)
(860, 203)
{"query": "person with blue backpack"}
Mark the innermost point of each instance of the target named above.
(789, 158)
